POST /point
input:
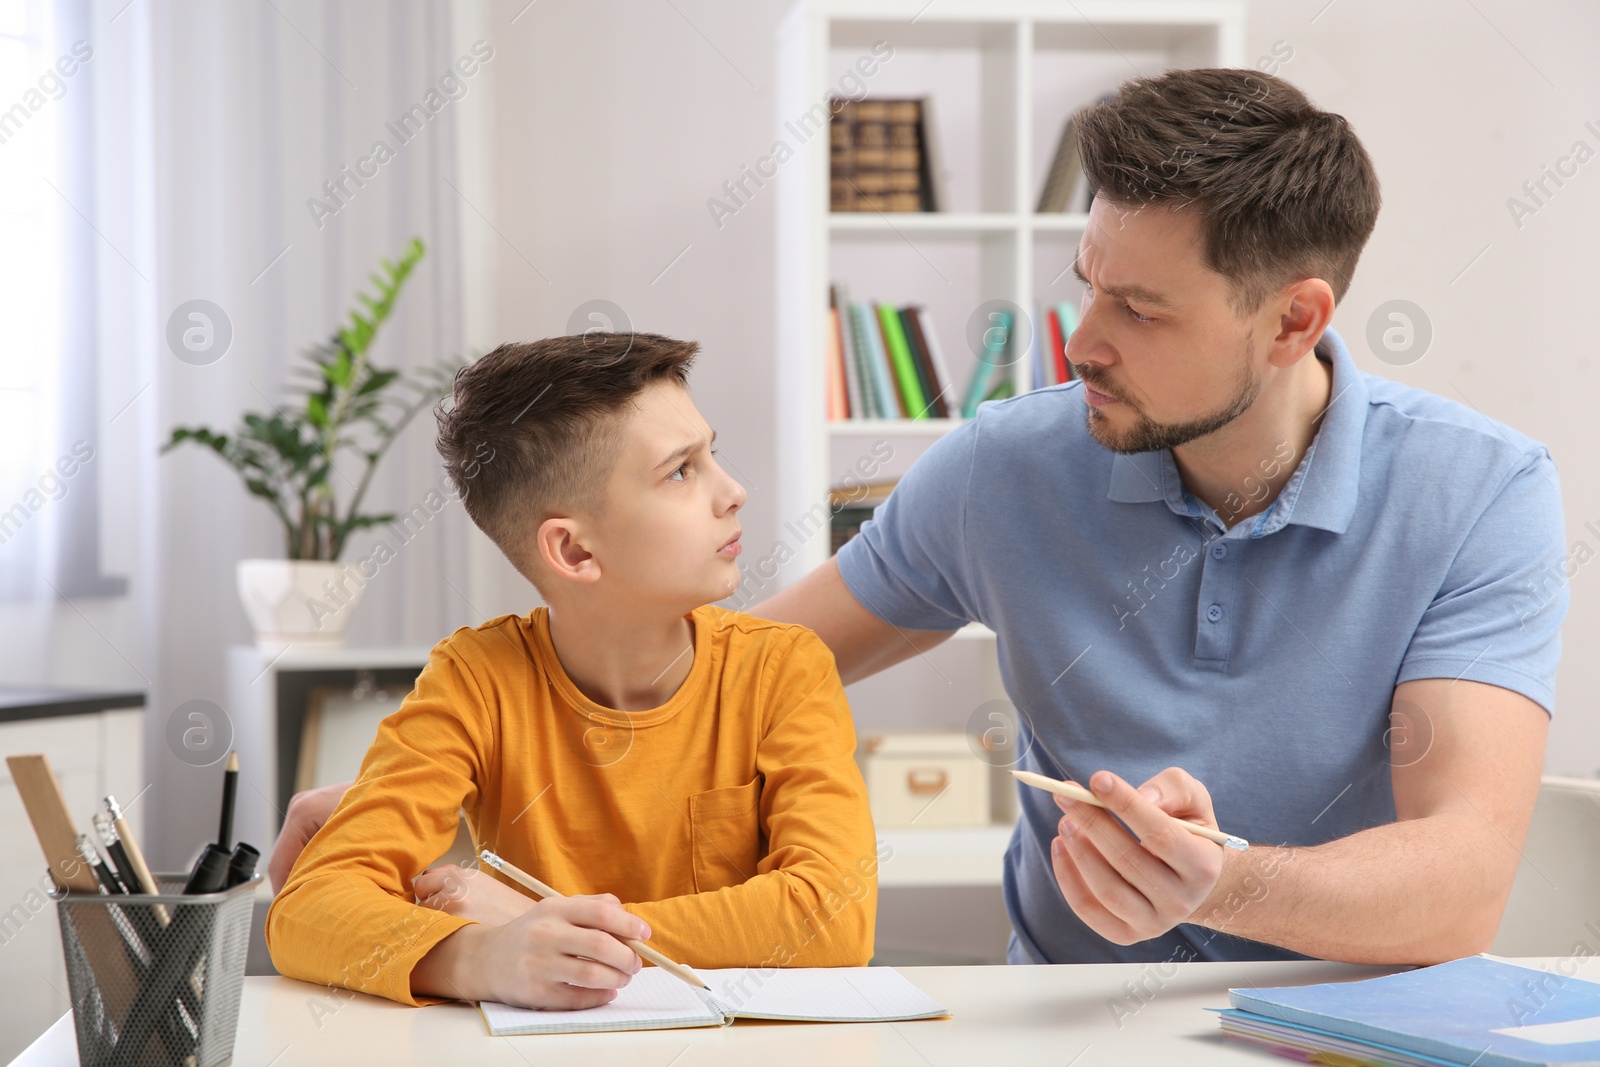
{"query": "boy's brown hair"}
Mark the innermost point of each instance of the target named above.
(1284, 191)
(533, 427)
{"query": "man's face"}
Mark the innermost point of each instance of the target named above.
(669, 533)
(1163, 356)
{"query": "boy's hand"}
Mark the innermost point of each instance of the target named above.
(560, 953)
(472, 894)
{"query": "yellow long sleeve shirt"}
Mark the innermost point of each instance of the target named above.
(732, 818)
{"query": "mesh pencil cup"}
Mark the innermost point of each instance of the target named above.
(156, 979)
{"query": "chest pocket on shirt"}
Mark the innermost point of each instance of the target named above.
(725, 835)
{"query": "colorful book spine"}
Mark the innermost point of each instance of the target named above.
(905, 371)
(932, 387)
(871, 405)
(852, 370)
(835, 382)
(941, 369)
(1069, 322)
(1058, 355)
(890, 404)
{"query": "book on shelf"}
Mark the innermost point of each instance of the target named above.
(930, 373)
(1053, 368)
(1062, 320)
(905, 368)
(883, 362)
(839, 386)
(879, 156)
(865, 495)
(853, 505)
(1066, 168)
(1065, 176)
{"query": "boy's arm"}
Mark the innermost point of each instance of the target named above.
(812, 899)
(346, 915)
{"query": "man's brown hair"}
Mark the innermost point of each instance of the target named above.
(532, 428)
(1284, 191)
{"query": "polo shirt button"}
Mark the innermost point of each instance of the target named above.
(1214, 613)
(1218, 551)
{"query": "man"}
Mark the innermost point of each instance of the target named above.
(1234, 579)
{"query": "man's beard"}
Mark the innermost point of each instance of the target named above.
(1147, 435)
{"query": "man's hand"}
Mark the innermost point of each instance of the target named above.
(307, 812)
(1129, 890)
(558, 954)
(474, 895)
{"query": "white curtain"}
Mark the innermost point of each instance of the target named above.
(44, 258)
(220, 140)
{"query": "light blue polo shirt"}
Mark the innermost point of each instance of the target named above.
(1416, 538)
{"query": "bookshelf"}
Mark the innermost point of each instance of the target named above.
(1002, 76)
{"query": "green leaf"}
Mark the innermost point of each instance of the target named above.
(378, 379)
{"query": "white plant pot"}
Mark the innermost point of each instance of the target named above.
(298, 602)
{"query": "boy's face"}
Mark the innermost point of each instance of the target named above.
(669, 532)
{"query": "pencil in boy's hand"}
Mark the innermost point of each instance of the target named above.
(1074, 791)
(533, 885)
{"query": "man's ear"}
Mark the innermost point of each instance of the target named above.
(560, 544)
(1306, 309)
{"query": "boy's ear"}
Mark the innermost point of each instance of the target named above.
(560, 545)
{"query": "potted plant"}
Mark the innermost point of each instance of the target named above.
(351, 407)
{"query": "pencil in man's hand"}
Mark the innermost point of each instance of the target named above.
(533, 885)
(1074, 791)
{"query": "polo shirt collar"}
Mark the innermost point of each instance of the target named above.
(1323, 489)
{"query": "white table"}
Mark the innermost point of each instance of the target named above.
(1015, 1015)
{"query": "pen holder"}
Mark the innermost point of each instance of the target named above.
(156, 979)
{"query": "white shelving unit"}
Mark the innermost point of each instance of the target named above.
(1002, 76)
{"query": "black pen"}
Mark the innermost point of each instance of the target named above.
(119, 867)
(91, 857)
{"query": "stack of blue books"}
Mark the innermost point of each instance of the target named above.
(1480, 1011)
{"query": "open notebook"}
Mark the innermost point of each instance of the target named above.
(655, 1000)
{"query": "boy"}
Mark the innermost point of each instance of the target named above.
(630, 738)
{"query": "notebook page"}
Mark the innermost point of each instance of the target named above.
(820, 994)
(653, 1000)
